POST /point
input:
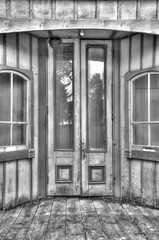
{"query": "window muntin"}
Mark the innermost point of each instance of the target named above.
(144, 110)
(14, 121)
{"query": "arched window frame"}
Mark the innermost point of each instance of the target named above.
(146, 152)
(27, 76)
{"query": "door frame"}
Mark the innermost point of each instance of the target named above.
(115, 127)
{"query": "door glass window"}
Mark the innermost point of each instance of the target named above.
(64, 98)
(145, 115)
(96, 99)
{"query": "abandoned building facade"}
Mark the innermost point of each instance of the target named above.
(79, 99)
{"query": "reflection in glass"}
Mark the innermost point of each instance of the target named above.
(19, 98)
(19, 135)
(5, 93)
(154, 97)
(140, 134)
(96, 98)
(140, 99)
(64, 98)
(4, 134)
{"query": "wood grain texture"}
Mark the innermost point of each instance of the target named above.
(147, 60)
(135, 61)
(11, 50)
(136, 187)
(107, 10)
(124, 67)
(1, 185)
(24, 181)
(35, 69)
(3, 8)
(20, 8)
(148, 9)
(64, 9)
(127, 9)
(42, 9)
(86, 9)
(10, 185)
(24, 51)
(148, 182)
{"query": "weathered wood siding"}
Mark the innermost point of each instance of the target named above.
(80, 9)
(139, 178)
(19, 178)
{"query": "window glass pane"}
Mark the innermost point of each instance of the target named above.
(140, 99)
(154, 130)
(19, 98)
(4, 134)
(140, 134)
(154, 97)
(96, 98)
(64, 98)
(19, 135)
(5, 93)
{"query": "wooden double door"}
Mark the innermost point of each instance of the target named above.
(80, 118)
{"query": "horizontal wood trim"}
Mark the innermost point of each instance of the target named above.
(20, 25)
(17, 155)
(144, 155)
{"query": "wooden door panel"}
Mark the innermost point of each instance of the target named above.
(97, 164)
(63, 164)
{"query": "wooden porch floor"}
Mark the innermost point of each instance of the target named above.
(78, 219)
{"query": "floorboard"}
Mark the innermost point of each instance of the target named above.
(79, 219)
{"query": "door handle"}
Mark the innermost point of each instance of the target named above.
(83, 151)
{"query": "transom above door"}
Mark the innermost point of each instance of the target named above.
(80, 118)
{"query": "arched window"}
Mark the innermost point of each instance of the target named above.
(14, 110)
(144, 110)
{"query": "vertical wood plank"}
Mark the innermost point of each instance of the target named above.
(157, 52)
(136, 188)
(124, 67)
(51, 187)
(148, 9)
(24, 181)
(127, 9)
(107, 10)
(11, 50)
(20, 8)
(24, 51)
(10, 184)
(86, 9)
(35, 69)
(157, 184)
(1, 185)
(116, 119)
(135, 61)
(64, 9)
(3, 8)
(42, 116)
(1, 49)
(147, 60)
(148, 182)
(42, 9)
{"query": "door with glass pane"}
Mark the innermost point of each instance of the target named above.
(64, 119)
(96, 117)
(80, 118)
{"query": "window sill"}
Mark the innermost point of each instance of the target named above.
(143, 155)
(17, 155)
